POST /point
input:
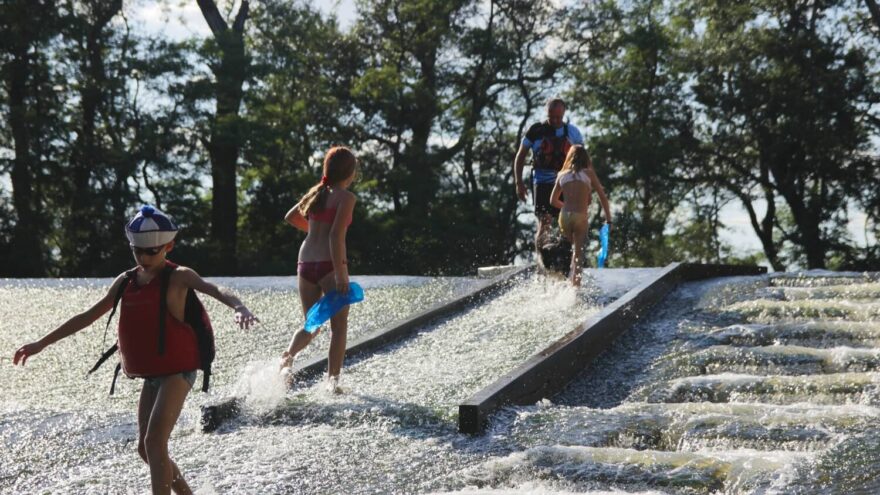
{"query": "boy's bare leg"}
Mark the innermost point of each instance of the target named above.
(166, 407)
(145, 407)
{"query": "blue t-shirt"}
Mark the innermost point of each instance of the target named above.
(533, 139)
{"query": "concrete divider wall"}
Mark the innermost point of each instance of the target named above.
(548, 371)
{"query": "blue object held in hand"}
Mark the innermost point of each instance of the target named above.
(330, 304)
(603, 249)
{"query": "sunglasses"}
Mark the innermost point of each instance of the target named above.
(152, 251)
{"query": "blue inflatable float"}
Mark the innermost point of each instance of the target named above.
(330, 304)
(603, 246)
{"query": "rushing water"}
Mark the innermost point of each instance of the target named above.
(749, 385)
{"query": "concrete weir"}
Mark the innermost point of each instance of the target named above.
(216, 414)
(548, 371)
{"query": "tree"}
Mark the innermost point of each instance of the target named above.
(874, 9)
(230, 71)
(28, 29)
(783, 96)
(299, 108)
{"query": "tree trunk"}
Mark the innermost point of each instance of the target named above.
(87, 155)
(763, 228)
(809, 233)
(875, 11)
(421, 179)
(224, 146)
(27, 249)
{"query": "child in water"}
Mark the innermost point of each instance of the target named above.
(576, 182)
(164, 342)
(324, 213)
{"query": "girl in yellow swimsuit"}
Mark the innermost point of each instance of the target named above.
(575, 182)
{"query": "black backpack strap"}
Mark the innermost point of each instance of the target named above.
(164, 280)
(129, 276)
(194, 316)
(565, 131)
(104, 357)
(115, 376)
(206, 377)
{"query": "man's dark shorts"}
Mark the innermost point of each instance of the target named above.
(541, 196)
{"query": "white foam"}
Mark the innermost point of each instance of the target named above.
(261, 385)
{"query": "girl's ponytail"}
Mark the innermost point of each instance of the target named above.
(339, 165)
(315, 199)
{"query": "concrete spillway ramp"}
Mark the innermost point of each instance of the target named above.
(214, 415)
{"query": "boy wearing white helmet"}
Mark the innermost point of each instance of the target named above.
(164, 336)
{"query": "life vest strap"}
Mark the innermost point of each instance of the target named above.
(115, 376)
(206, 377)
(164, 281)
(104, 357)
(129, 276)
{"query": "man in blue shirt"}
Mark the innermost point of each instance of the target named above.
(549, 142)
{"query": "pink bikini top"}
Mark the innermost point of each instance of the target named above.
(327, 215)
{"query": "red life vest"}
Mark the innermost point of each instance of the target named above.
(138, 335)
(151, 341)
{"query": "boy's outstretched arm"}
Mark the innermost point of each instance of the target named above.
(71, 326)
(191, 279)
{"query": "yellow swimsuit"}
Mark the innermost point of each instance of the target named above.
(570, 220)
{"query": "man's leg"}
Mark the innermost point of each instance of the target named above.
(543, 215)
(545, 226)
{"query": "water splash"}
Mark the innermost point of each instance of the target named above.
(261, 386)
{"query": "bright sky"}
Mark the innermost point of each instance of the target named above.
(183, 19)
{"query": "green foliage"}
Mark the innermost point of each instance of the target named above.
(785, 94)
(631, 87)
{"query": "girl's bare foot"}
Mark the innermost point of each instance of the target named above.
(333, 385)
(286, 369)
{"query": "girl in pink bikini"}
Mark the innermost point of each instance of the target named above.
(324, 213)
